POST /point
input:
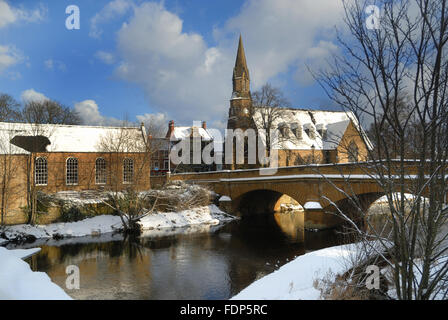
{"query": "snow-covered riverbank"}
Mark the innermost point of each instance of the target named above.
(210, 215)
(295, 280)
(19, 282)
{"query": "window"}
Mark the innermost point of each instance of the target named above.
(128, 170)
(165, 165)
(41, 172)
(100, 171)
(71, 177)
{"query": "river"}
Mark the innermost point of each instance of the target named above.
(206, 262)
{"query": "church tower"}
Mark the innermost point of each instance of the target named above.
(241, 101)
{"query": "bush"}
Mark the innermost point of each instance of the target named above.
(71, 214)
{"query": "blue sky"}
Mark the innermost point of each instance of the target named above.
(173, 59)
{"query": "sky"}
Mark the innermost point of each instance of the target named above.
(166, 60)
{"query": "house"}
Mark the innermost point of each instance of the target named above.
(53, 158)
(304, 136)
(161, 161)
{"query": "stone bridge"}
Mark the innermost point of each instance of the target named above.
(319, 189)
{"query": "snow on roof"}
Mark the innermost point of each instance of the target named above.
(181, 133)
(334, 123)
(71, 138)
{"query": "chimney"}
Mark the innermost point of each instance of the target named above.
(170, 129)
(204, 125)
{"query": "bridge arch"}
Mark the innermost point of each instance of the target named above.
(261, 201)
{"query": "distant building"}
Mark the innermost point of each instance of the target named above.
(53, 158)
(305, 136)
(161, 163)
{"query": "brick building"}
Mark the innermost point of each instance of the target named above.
(54, 158)
(161, 163)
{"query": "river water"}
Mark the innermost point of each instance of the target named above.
(205, 262)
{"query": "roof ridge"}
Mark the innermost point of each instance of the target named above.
(68, 125)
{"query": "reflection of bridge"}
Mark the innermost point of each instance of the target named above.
(315, 187)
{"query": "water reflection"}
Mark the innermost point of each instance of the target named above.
(216, 263)
(292, 223)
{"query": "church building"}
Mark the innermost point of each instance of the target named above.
(304, 136)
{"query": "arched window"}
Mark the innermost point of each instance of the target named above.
(128, 170)
(100, 171)
(71, 177)
(41, 172)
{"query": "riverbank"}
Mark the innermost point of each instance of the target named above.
(19, 282)
(295, 280)
(208, 215)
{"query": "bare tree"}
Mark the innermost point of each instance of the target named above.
(49, 112)
(404, 57)
(267, 114)
(128, 157)
(9, 108)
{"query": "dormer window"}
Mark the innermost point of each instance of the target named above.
(322, 130)
(296, 129)
(310, 131)
(283, 128)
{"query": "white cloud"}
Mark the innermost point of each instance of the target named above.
(112, 10)
(105, 57)
(9, 56)
(89, 113)
(32, 95)
(286, 33)
(181, 75)
(177, 70)
(159, 118)
(9, 14)
(316, 58)
(51, 64)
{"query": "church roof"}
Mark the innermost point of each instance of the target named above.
(70, 138)
(313, 123)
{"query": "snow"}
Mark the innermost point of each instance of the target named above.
(310, 205)
(290, 207)
(202, 215)
(19, 282)
(98, 225)
(396, 197)
(224, 199)
(65, 138)
(294, 280)
(90, 226)
(335, 122)
(321, 176)
(181, 133)
(24, 253)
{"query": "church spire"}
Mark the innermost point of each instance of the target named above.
(240, 63)
(241, 80)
